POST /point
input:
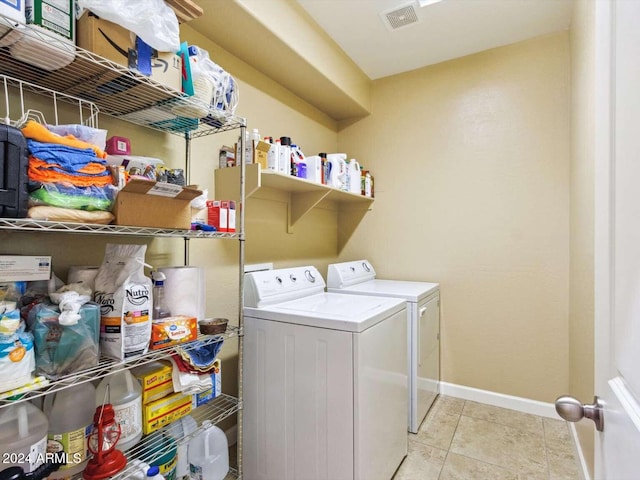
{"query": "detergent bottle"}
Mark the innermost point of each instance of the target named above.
(353, 176)
(70, 414)
(125, 394)
(23, 436)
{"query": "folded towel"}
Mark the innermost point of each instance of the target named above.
(70, 158)
(44, 172)
(39, 132)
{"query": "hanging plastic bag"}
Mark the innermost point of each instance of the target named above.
(152, 20)
(64, 349)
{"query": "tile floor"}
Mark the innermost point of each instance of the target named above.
(465, 440)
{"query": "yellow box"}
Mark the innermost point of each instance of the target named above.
(155, 379)
(159, 413)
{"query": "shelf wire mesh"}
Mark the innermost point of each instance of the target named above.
(59, 66)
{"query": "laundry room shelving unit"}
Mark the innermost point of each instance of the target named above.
(94, 85)
(302, 196)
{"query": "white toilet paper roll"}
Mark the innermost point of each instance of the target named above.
(85, 274)
(184, 290)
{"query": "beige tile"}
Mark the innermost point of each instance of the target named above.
(504, 416)
(459, 467)
(437, 429)
(450, 405)
(422, 463)
(556, 434)
(562, 464)
(499, 445)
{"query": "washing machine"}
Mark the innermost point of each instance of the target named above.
(423, 319)
(324, 380)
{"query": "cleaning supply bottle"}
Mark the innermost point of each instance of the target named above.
(154, 474)
(23, 436)
(353, 176)
(208, 454)
(284, 160)
(70, 414)
(125, 394)
(272, 155)
(160, 309)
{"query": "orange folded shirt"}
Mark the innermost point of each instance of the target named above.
(40, 133)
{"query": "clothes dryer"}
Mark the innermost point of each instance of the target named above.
(423, 320)
(324, 380)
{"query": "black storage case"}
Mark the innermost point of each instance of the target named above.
(13, 173)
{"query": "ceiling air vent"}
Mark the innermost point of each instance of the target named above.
(400, 17)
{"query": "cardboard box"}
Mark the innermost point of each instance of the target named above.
(208, 395)
(54, 15)
(230, 207)
(217, 215)
(260, 152)
(118, 44)
(154, 204)
(155, 380)
(159, 413)
(17, 268)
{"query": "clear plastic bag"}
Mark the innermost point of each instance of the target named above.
(225, 90)
(94, 136)
(69, 196)
(152, 20)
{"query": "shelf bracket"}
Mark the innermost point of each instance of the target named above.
(300, 204)
(349, 216)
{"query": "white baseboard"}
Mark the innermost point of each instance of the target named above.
(582, 463)
(520, 404)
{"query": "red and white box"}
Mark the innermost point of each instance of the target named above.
(230, 205)
(217, 215)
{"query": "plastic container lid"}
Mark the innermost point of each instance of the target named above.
(153, 471)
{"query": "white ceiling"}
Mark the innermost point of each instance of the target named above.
(445, 30)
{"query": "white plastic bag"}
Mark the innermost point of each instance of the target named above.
(152, 20)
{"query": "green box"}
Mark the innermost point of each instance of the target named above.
(54, 15)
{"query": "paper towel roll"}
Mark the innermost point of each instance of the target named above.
(86, 274)
(184, 291)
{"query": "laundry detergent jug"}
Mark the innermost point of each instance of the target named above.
(353, 177)
(337, 170)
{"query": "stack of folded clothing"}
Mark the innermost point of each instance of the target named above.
(68, 179)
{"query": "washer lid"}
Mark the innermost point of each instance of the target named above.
(410, 291)
(336, 311)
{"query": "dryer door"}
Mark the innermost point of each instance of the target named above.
(428, 355)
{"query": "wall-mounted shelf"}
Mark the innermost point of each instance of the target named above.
(304, 196)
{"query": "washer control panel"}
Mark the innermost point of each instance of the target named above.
(274, 286)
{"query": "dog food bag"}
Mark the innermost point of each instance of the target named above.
(124, 294)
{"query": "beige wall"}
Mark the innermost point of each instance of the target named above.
(581, 307)
(471, 164)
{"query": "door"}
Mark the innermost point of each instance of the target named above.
(617, 247)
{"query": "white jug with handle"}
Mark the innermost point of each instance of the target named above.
(337, 170)
(353, 177)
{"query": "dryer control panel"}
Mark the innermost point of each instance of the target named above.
(341, 275)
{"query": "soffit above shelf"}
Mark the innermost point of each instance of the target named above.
(280, 40)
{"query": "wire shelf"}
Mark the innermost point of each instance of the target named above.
(106, 366)
(25, 224)
(154, 446)
(58, 66)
